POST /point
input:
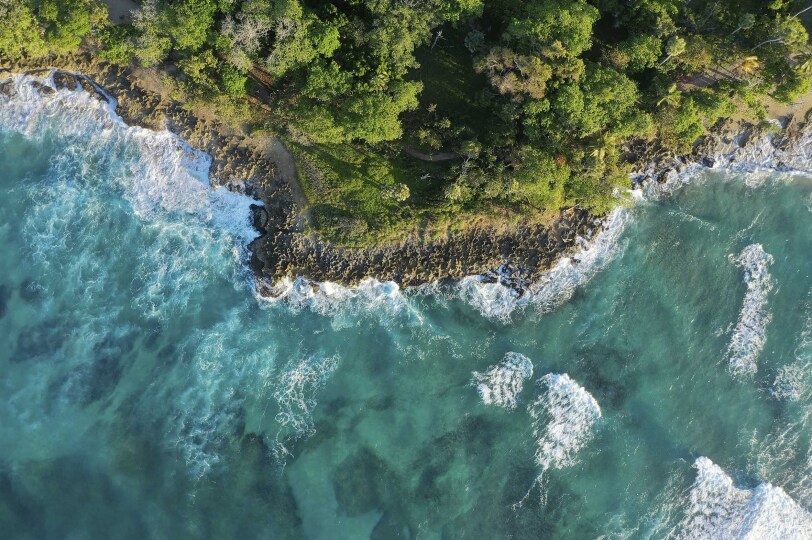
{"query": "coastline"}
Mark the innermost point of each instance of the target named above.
(515, 258)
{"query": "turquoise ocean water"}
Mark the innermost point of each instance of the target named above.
(659, 386)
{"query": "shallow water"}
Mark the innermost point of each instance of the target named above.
(657, 386)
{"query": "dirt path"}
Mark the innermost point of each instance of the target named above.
(708, 77)
(439, 156)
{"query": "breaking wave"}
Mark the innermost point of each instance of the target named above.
(750, 332)
(501, 384)
(498, 301)
(155, 171)
(793, 382)
(563, 420)
(493, 300)
(719, 510)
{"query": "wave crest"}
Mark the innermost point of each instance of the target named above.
(750, 332)
(555, 287)
(718, 510)
(501, 384)
(563, 420)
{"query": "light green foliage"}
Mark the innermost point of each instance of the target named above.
(512, 73)
(20, 31)
(636, 53)
(543, 23)
(117, 45)
(791, 89)
(151, 45)
(68, 21)
(680, 125)
(300, 37)
(398, 192)
(713, 105)
(200, 70)
(38, 27)
(674, 47)
(609, 98)
(373, 117)
(189, 22)
(697, 56)
(540, 180)
(233, 81)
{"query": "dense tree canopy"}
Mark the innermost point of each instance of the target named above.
(533, 99)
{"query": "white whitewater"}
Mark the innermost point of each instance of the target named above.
(501, 384)
(493, 300)
(555, 287)
(163, 173)
(718, 510)
(563, 420)
(750, 332)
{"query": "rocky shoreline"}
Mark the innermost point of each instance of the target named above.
(285, 250)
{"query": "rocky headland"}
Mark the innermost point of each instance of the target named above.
(262, 168)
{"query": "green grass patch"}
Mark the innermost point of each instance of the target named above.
(449, 81)
(352, 189)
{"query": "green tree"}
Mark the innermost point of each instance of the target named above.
(636, 53)
(299, 37)
(546, 22)
(190, 22)
(746, 22)
(512, 73)
(67, 22)
(541, 181)
(20, 31)
(374, 117)
(151, 44)
(675, 47)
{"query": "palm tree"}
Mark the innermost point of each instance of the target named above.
(675, 46)
(749, 65)
(804, 64)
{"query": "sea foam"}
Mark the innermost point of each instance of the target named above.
(295, 395)
(556, 286)
(718, 510)
(501, 384)
(163, 173)
(564, 417)
(750, 332)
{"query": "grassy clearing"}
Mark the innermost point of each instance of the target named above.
(450, 82)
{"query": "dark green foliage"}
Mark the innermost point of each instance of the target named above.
(528, 102)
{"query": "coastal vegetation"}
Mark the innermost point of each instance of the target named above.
(408, 115)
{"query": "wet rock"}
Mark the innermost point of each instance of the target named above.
(64, 80)
(8, 89)
(42, 89)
